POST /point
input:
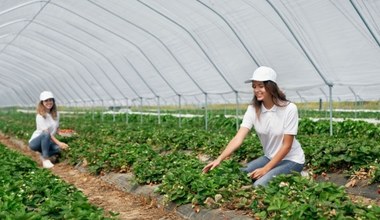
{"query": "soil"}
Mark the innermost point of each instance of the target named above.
(101, 193)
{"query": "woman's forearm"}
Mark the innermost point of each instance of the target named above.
(280, 155)
(234, 144)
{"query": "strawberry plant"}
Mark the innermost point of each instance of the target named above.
(295, 197)
(28, 192)
(187, 184)
(153, 153)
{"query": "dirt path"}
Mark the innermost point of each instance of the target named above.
(100, 193)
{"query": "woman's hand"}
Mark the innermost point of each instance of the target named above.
(258, 173)
(231, 147)
(63, 146)
(211, 166)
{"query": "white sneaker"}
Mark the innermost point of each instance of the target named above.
(304, 173)
(47, 164)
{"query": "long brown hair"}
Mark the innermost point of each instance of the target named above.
(43, 111)
(278, 97)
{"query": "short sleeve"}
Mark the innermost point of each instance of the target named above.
(41, 123)
(291, 119)
(57, 119)
(248, 118)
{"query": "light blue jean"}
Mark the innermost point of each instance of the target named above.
(284, 167)
(44, 145)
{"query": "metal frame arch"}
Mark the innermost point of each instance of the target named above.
(327, 82)
(8, 85)
(12, 90)
(82, 43)
(59, 66)
(233, 31)
(194, 39)
(365, 22)
(98, 52)
(44, 60)
(33, 58)
(158, 39)
(18, 79)
(83, 65)
(28, 66)
(57, 5)
(71, 58)
(123, 38)
(22, 29)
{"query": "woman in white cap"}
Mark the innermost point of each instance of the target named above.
(275, 120)
(43, 138)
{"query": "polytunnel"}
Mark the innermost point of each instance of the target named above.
(168, 51)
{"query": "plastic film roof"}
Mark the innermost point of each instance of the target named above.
(189, 51)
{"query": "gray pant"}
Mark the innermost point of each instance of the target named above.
(44, 145)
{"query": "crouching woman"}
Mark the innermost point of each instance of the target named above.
(43, 139)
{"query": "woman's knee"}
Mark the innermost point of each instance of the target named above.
(295, 167)
(45, 136)
(255, 164)
(263, 181)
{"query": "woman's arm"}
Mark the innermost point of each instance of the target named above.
(284, 150)
(59, 143)
(234, 144)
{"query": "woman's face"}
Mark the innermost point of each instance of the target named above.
(48, 103)
(259, 91)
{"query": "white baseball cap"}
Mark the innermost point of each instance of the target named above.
(263, 73)
(46, 95)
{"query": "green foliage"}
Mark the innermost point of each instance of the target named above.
(153, 170)
(187, 184)
(154, 154)
(27, 192)
(346, 128)
(295, 197)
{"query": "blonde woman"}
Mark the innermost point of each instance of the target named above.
(275, 121)
(43, 138)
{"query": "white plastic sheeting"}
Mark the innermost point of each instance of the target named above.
(160, 52)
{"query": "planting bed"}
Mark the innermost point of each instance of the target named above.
(100, 193)
(168, 159)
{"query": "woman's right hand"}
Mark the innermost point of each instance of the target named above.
(63, 146)
(211, 166)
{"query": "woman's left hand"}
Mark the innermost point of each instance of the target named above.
(258, 173)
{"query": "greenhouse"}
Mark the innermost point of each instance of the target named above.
(157, 89)
(158, 51)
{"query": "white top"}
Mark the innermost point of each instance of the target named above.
(272, 126)
(47, 123)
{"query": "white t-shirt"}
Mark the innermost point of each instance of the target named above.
(47, 123)
(272, 126)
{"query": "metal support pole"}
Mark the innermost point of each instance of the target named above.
(113, 110)
(158, 110)
(206, 113)
(141, 118)
(102, 112)
(179, 111)
(331, 128)
(356, 100)
(237, 110)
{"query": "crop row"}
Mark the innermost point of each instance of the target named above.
(173, 162)
(28, 192)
